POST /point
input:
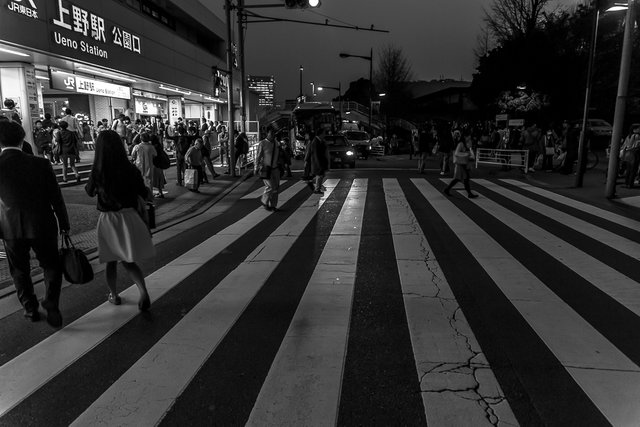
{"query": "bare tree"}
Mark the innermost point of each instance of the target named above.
(508, 19)
(483, 43)
(393, 69)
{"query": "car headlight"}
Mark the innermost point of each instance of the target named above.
(349, 153)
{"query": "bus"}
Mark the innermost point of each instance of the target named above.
(306, 118)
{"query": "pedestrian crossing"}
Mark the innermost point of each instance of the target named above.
(521, 307)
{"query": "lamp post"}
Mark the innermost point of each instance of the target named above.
(370, 59)
(587, 97)
(621, 101)
(339, 89)
(301, 70)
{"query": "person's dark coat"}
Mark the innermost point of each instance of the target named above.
(30, 198)
(68, 141)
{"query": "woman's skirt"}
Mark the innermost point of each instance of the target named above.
(159, 180)
(461, 172)
(123, 236)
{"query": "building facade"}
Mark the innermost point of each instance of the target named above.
(265, 87)
(104, 58)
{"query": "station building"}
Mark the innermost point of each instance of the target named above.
(155, 59)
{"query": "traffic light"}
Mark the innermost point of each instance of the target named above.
(301, 4)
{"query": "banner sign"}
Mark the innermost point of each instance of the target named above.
(73, 83)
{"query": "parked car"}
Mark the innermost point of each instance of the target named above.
(600, 130)
(341, 152)
(360, 140)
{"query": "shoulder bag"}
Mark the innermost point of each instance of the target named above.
(75, 265)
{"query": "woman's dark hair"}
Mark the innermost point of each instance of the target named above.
(63, 124)
(110, 164)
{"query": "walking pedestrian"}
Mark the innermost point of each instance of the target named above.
(32, 210)
(630, 156)
(316, 161)
(182, 145)
(206, 154)
(193, 160)
(462, 156)
(241, 146)
(68, 146)
(269, 162)
(446, 141)
(142, 156)
(122, 234)
(425, 142)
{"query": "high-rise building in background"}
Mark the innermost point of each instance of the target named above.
(264, 85)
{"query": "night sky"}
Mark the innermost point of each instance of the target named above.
(437, 36)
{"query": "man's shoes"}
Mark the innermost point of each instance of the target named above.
(54, 317)
(310, 185)
(32, 315)
(216, 175)
(78, 179)
(318, 192)
(447, 192)
(267, 207)
(472, 196)
(144, 303)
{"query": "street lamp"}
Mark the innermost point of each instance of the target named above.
(370, 59)
(339, 89)
(587, 97)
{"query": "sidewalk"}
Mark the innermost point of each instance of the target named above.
(178, 205)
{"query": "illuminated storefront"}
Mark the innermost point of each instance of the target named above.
(105, 58)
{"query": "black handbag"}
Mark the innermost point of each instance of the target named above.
(75, 265)
(147, 212)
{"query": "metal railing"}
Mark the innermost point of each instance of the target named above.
(513, 158)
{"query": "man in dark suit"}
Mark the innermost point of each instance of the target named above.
(31, 211)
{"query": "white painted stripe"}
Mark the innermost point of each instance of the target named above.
(303, 384)
(257, 193)
(615, 241)
(580, 348)
(156, 380)
(449, 361)
(29, 371)
(607, 279)
(602, 213)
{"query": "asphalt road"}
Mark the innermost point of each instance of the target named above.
(383, 302)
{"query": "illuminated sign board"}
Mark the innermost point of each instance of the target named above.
(92, 28)
(72, 83)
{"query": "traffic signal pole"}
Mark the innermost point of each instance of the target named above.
(243, 74)
(230, 147)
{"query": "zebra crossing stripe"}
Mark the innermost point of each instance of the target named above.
(303, 384)
(56, 352)
(444, 347)
(603, 372)
(258, 192)
(157, 379)
(606, 237)
(567, 201)
(618, 286)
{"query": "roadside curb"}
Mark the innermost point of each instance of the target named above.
(92, 253)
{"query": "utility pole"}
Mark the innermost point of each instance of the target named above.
(243, 74)
(621, 101)
(231, 148)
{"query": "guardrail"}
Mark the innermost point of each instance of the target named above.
(513, 158)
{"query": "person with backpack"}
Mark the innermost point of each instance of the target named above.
(120, 126)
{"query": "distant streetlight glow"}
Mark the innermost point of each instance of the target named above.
(314, 3)
(382, 94)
